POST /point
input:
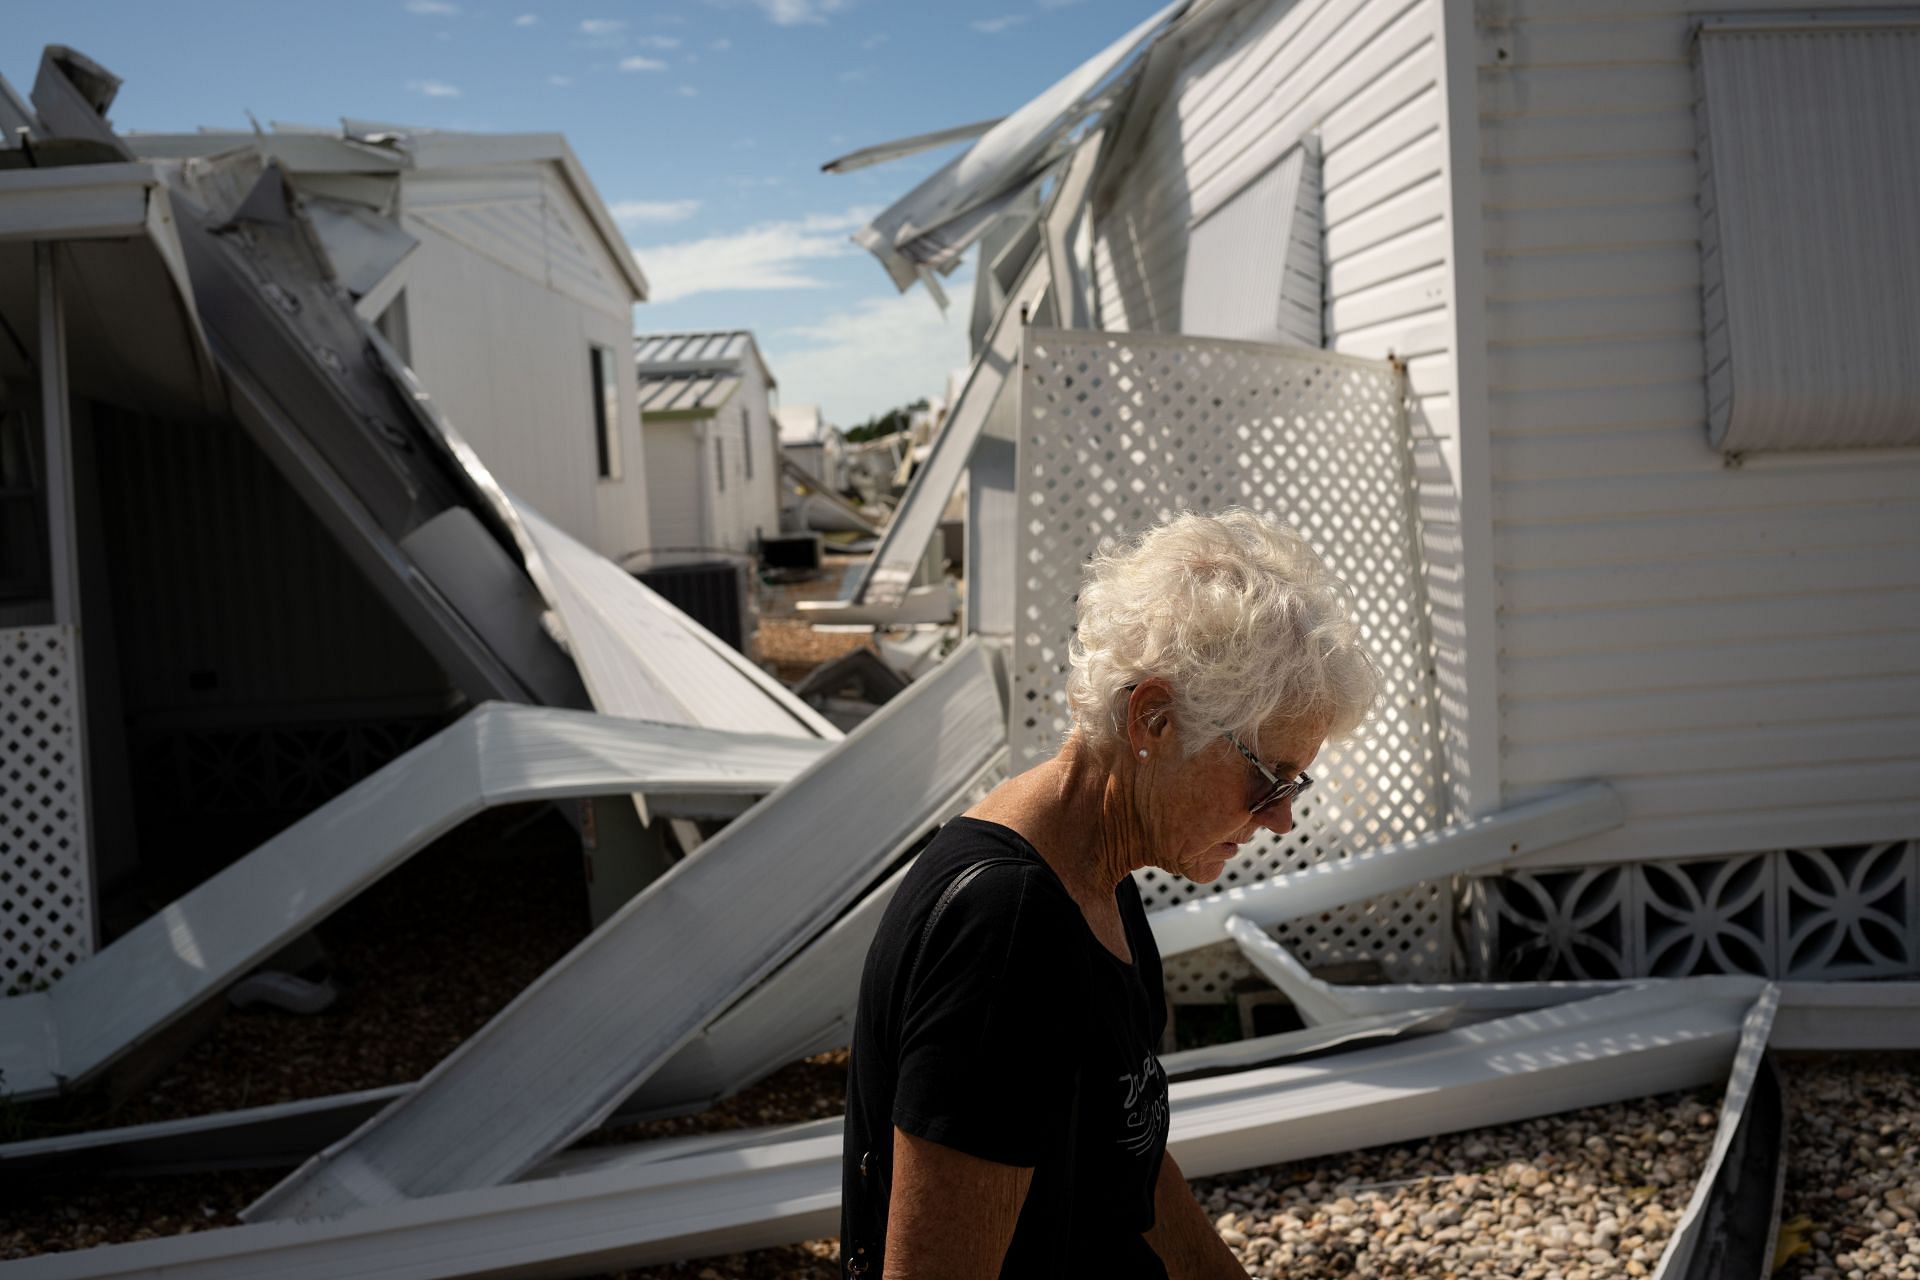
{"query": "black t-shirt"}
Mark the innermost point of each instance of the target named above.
(1016, 1037)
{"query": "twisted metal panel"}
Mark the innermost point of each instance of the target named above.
(1119, 430)
(46, 897)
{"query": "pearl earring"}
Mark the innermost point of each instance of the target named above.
(1143, 753)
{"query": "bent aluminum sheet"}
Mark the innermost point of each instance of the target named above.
(640, 656)
(496, 754)
(1510, 833)
(886, 575)
(561, 1057)
(1688, 1236)
(644, 1209)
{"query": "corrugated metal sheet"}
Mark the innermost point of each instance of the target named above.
(1253, 260)
(1810, 181)
(1735, 649)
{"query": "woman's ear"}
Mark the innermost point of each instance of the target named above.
(1150, 715)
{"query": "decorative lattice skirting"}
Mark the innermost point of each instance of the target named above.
(46, 900)
(1846, 912)
(1117, 430)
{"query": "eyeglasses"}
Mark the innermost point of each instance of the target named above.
(1278, 788)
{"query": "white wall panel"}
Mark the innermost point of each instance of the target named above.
(1737, 649)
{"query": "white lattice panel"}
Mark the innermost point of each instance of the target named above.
(1846, 912)
(1118, 430)
(46, 909)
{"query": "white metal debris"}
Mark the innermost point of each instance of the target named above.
(496, 754)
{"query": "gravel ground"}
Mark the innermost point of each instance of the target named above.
(1853, 1168)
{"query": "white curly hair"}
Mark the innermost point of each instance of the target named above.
(1236, 613)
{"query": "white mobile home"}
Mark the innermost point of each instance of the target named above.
(812, 443)
(1646, 278)
(712, 446)
(493, 266)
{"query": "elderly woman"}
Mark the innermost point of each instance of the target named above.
(1006, 1114)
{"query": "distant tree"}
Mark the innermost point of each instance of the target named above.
(886, 424)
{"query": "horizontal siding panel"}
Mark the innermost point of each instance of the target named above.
(1409, 338)
(1664, 38)
(1409, 295)
(1585, 364)
(1755, 663)
(1623, 226)
(1630, 131)
(1419, 163)
(1879, 527)
(1810, 784)
(1559, 718)
(1593, 273)
(1576, 91)
(1658, 627)
(1769, 576)
(1607, 319)
(1625, 180)
(1419, 248)
(1622, 759)
(1600, 414)
(1415, 207)
(1355, 137)
(1748, 489)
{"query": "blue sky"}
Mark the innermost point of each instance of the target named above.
(702, 122)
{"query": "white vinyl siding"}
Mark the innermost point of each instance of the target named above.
(1810, 180)
(1737, 649)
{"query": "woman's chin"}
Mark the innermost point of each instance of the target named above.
(1206, 867)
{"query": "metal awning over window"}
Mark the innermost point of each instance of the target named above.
(1810, 178)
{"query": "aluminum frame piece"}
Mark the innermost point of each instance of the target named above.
(901, 148)
(1692, 1241)
(1240, 1055)
(576, 1040)
(794, 472)
(188, 952)
(636, 1208)
(640, 656)
(907, 236)
(886, 575)
(1479, 842)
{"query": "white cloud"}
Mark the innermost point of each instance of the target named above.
(527, 20)
(602, 26)
(560, 82)
(795, 13)
(873, 42)
(658, 42)
(771, 255)
(433, 88)
(432, 8)
(637, 63)
(994, 26)
(629, 212)
(879, 353)
(721, 45)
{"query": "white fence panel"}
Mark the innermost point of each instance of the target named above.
(1117, 430)
(46, 890)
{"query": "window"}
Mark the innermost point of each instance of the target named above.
(605, 394)
(746, 440)
(1808, 262)
(720, 461)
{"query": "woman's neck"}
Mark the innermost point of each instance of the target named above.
(1075, 810)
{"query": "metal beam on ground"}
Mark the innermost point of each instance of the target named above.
(1478, 842)
(559, 1059)
(496, 754)
(1239, 1055)
(636, 1209)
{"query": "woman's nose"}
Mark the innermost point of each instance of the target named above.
(1277, 818)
